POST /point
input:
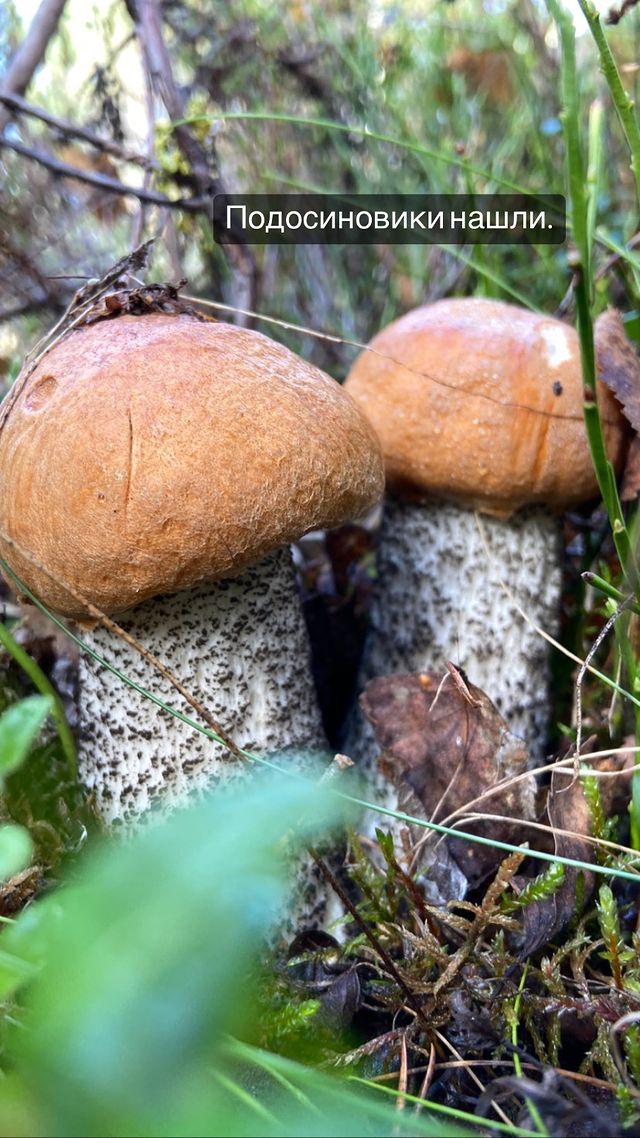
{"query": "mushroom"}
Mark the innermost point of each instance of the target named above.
(478, 407)
(158, 466)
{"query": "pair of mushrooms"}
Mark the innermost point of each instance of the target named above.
(159, 465)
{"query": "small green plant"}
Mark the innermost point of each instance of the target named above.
(20, 725)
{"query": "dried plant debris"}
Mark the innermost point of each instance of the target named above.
(575, 810)
(140, 302)
(19, 890)
(444, 746)
(103, 298)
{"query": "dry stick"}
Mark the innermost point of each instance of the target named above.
(558, 767)
(604, 632)
(552, 830)
(104, 182)
(625, 1021)
(331, 879)
(158, 63)
(428, 1078)
(402, 1074)
(31, 52)
(148, 21)
(616, 14)
(71, 130)
(111, 626)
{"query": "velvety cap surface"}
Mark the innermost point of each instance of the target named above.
(481, 402)
(148, 454)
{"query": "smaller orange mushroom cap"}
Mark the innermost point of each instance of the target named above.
(481, 402)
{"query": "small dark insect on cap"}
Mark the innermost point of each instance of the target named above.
(557, 387)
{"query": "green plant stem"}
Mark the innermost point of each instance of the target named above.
(622, 102)
(604, 471)
(594, 167)
(583, 227)
(517, 1065)
(45, 687)
(608, 590)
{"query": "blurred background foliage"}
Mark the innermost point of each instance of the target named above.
(467, 90)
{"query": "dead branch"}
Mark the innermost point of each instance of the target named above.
(147, 15)
(71, 130)
(103, 182)
(31, 52)
(149, 29)
(616, 14)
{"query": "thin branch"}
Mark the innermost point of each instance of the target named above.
(31, 52)
(147, 15)
(158, 63)
(71, 130)
(103, 182)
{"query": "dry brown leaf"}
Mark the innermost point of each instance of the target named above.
(444, 743)
(631, 475)
(618, 364)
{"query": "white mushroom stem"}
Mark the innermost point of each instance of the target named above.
(240, 647)
(439, 597)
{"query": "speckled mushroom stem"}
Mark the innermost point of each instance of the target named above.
(239, 646)
(439, 597)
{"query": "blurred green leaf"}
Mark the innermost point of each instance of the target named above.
(19, 727)
(147, 970)
(16, 848)
(25, 944)
(143, 971)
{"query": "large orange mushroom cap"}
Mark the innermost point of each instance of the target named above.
(148, 454)
(481, 402)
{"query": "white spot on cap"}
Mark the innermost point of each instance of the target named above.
(557, 344)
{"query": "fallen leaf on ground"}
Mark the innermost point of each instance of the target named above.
(618, 364)
(444, 744)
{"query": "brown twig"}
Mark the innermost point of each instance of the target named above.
(331, 879)
(158, 63)
(111, 185)
(147, 15)
(71, 130)
(616, 14)
(30, 52)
